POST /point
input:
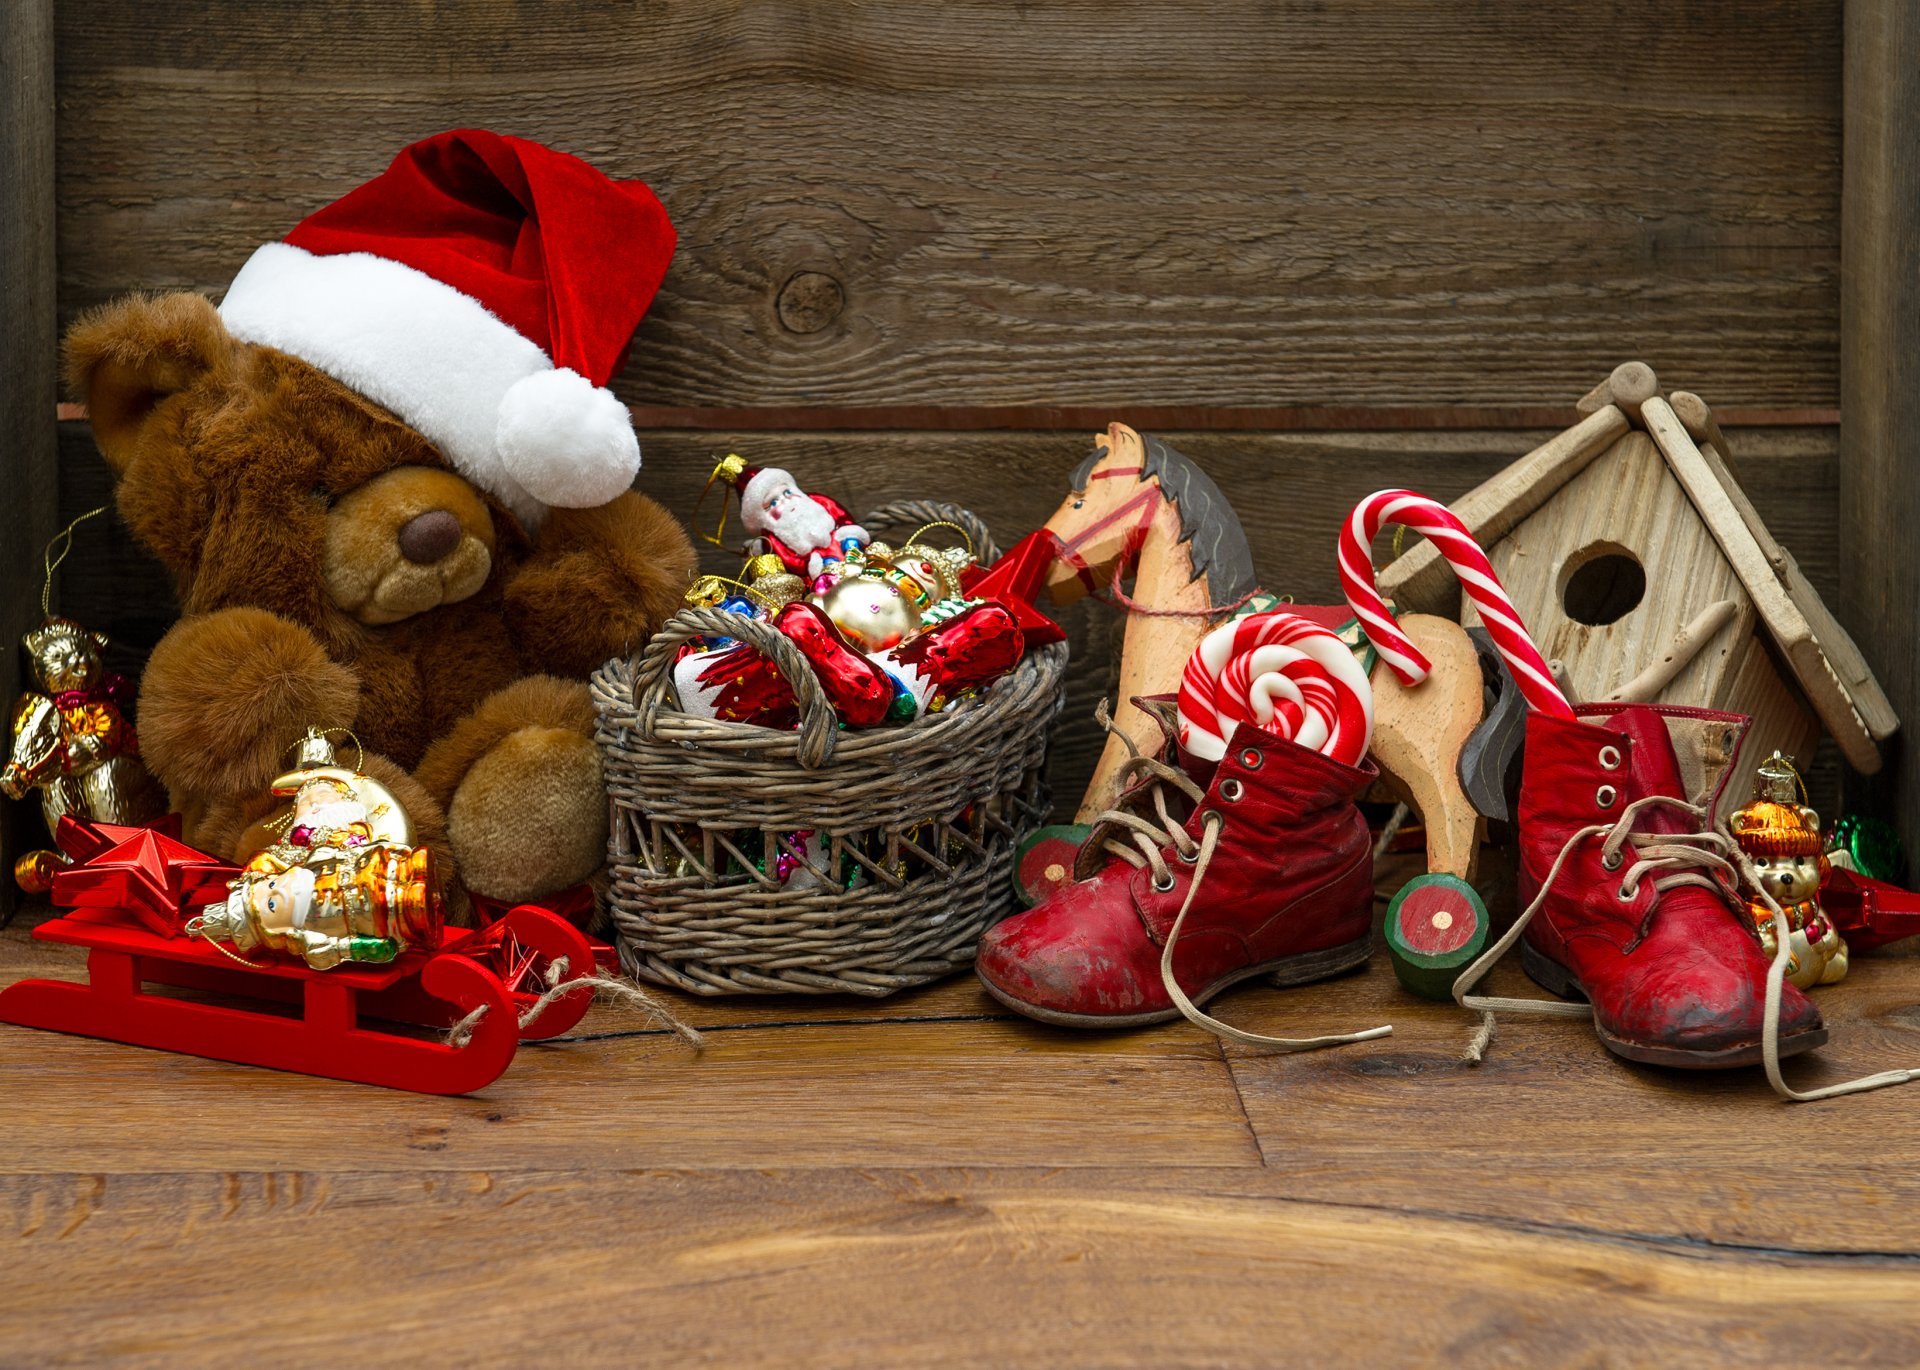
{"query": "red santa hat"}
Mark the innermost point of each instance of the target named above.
(484, 288)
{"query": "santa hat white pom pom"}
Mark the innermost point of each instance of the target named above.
(565, 441)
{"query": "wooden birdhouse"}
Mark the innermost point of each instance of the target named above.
(1646, 576)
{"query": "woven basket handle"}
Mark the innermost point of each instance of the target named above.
(910, 514)
(653, 679)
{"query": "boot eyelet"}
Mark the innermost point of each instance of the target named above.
(1612, 863)
(1160, 888)
(1190, 856)
(1231, 789)
(1251, 759)
(1610, 758)
(1625, 895)
(1606, 796)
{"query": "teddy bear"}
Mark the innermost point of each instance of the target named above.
(395, 499)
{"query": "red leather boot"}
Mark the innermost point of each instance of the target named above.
(1628, 891)
(1183, 892)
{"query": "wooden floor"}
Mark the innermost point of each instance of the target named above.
(929, 1180)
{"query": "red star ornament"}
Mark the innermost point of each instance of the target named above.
(81, 839)
(1017, 579)
(149, 875)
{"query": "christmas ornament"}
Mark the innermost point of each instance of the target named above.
(939, 571)
(71, 741)
(1017, 580)
(344, 883)
(1477, 580)
(772, 582)
(807, 532)
(880, 598)
(144, 872)
(740, 684)
(1869, 913)
(967, 644)
(1867, 846)
(872, 610)
(1279, 672)
(1781, 837)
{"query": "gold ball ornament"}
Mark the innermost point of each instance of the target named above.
(872, 613)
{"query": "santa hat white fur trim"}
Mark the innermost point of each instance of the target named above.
(488, 397)
(568, 442)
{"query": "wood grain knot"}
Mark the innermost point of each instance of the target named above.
(809, 301)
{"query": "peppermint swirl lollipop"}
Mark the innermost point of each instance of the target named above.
(1280, 672)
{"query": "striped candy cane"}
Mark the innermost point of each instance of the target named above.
(1279, 672)
(1456, 544)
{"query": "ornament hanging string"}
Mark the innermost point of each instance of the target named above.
(717, 536)
(359, 748)
(197, 928)
(701, 587)
(52, 559)
(965, 536)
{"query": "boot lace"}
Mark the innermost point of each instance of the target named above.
(1141, 842)
(1710, 859)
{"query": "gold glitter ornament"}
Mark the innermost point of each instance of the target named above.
(1781, 837)
(339, 879)
(70, 741)
(772, 581)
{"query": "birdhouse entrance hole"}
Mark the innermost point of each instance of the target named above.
(1602, 584)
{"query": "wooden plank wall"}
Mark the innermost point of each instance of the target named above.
(27, 482)
(1880, 381)
(923, 248)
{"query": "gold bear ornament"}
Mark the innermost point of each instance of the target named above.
(72, 743)
(1781, 836)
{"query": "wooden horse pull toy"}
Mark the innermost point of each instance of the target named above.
(1139, 506)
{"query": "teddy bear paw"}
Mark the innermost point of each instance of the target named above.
(529, 818)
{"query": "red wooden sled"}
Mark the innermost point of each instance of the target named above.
(343, 1029)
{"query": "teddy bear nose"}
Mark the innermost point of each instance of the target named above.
(428, 537)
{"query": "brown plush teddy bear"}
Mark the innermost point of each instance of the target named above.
(393, 492)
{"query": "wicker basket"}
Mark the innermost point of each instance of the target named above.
(919, 822)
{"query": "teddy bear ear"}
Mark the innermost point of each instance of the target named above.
(124, 358)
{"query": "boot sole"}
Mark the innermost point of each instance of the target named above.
(1284, 973)
(1557, 979)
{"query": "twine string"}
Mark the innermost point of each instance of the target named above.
(558, 987)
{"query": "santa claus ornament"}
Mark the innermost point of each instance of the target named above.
(809, 533)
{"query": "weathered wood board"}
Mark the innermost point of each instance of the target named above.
(27, 471)
(980, 204)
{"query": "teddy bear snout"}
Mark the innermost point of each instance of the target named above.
(430, 537)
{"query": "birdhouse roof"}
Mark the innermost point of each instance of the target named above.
(1824, 660)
